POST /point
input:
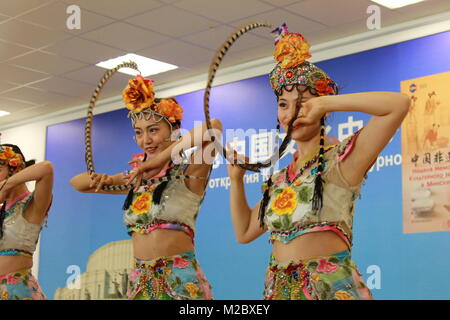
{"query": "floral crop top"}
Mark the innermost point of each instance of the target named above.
(177, 210)
(20, 237)
(289, 212)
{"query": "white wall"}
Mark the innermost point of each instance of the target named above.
(30, 135)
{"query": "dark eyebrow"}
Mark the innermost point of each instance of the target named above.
(152, 125)
(282, 99)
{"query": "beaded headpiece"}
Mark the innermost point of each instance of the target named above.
(291, 52)
(139, 98)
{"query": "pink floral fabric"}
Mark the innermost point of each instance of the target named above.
(20, 285)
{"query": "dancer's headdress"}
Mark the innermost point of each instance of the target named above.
(291, 52)
(139, 98)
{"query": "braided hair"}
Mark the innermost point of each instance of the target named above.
(317, 199)
(157, 194)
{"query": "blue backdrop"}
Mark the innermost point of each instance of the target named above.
(411, 266)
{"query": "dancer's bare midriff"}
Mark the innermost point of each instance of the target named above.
(9, 264)
(161, 243)
(314, 244)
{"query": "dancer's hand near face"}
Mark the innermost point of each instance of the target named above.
(99, 180)
(311, 111)
(143, 170)
(136, 174)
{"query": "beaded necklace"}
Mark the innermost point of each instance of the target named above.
(306, 164)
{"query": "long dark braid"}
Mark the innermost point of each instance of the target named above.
(317, 199)
(157, 194)
(2, 213)
(266, 195)
(128, 200)
(264, 202)
(2, 218)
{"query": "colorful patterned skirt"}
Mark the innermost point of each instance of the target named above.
(333, 277)
(20, 285)
(177, 277)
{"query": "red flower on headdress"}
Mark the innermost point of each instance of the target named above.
(324, 87)
(291, 50)
(139, 94)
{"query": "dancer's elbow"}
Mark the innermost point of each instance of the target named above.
(404, 102)
(47, 167)
(76, 183)
(242, 239)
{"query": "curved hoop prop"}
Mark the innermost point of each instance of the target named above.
(88, 129)
(218, 57)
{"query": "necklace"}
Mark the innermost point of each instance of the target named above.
(306, 164)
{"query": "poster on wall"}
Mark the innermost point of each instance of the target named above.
(426, 155)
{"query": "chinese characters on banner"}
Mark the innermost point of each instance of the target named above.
(426, 155)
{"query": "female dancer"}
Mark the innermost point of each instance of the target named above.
(308, 206)
(21, 217)
(161, 216)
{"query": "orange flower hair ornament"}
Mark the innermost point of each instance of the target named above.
(139, 98)
(11, 158)
(291, 52)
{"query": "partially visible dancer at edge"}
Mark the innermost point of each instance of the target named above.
(21, 218)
